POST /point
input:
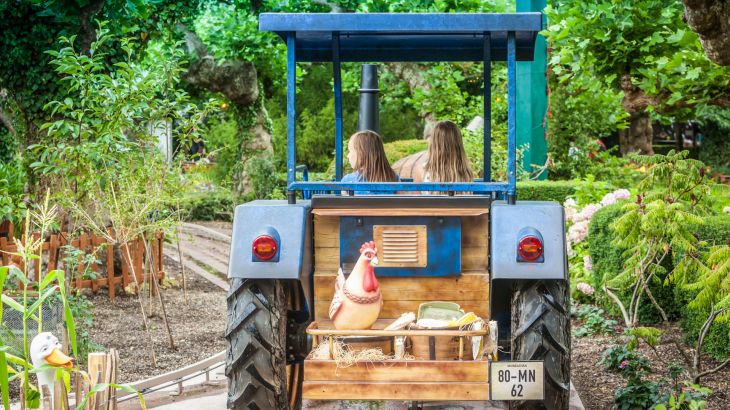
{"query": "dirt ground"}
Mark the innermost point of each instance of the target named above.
(596, 386)
(197, 326)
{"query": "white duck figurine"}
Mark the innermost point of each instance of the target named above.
(45, 349)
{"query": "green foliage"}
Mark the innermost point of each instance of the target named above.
(261, 177)
(645, 40)
(103, 131)
(581, 112)
(657, 223)
(222, 141)
(634, 367)
(685, 397)
(12, 182)
(594, 321)
(208, 206)
(557, 191)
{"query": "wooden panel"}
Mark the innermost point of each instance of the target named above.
(401, 212)
(422, 391)
(395, 308)
(405, 371)
(473, 258)
(468, 286)
(474, 231)
(327, 258)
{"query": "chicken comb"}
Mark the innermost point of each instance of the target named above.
(368, 245)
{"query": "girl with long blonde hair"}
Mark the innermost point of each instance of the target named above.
(367, 158)
(447, 160)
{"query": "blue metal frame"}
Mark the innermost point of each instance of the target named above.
(337, 77)
(342, 37)
(511, 118)
(487, 158)
(291, 113)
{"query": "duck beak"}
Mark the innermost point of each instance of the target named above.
(59, 359)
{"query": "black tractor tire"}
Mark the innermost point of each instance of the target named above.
(256, 366)
(541, 331)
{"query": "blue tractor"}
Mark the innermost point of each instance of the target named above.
(485, 251)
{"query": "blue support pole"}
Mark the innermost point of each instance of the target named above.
(511, 117)
(487, 108)
(291, 116)
(337, 76)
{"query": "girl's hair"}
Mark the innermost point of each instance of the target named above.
(371, 160)
(447, 161)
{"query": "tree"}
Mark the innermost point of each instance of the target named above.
(641, 48)
(708, 18)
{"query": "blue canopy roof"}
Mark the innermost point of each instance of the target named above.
(405, 36)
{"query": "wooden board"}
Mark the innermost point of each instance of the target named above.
(395, 308)
(402, 371)
(421, 391)
(468, 286)
(401, 211)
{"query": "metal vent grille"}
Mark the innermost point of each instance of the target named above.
(401, 245)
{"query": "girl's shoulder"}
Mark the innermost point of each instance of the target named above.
(353, 177)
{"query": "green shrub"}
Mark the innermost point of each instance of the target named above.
(223, 140)
(606, 258)
(717, 342)
(557, 191)
(208, 206)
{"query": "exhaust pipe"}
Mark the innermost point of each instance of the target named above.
(369, 114)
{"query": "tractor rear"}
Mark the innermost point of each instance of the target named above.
(502, 259)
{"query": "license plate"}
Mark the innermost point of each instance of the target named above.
(516, 381)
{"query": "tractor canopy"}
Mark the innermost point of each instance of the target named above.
(405, 37)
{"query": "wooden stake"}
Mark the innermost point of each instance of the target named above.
(97, 374)
(154, 283)
(58, 396)
(141, 307)
(182, 265)
(110, 282)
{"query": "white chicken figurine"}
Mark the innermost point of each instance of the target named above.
(45, 349)
(357, 300)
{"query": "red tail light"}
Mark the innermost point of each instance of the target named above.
(265, 247)
(530, 248)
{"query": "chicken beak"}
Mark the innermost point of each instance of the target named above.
(59, 359)
(374, 261)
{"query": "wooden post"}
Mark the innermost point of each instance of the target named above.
(58, 396)
(97, 374)
(46, 393)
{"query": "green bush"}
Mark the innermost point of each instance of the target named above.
(606, 258)
(208, 206)
(608, 261)
(223, 140)
(557, 191)
(717, 343)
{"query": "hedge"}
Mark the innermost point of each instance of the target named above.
(546, 190)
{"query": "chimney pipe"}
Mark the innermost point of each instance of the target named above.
(368, 116)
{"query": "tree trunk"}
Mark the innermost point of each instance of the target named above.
(709, 19)
(638, 136)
